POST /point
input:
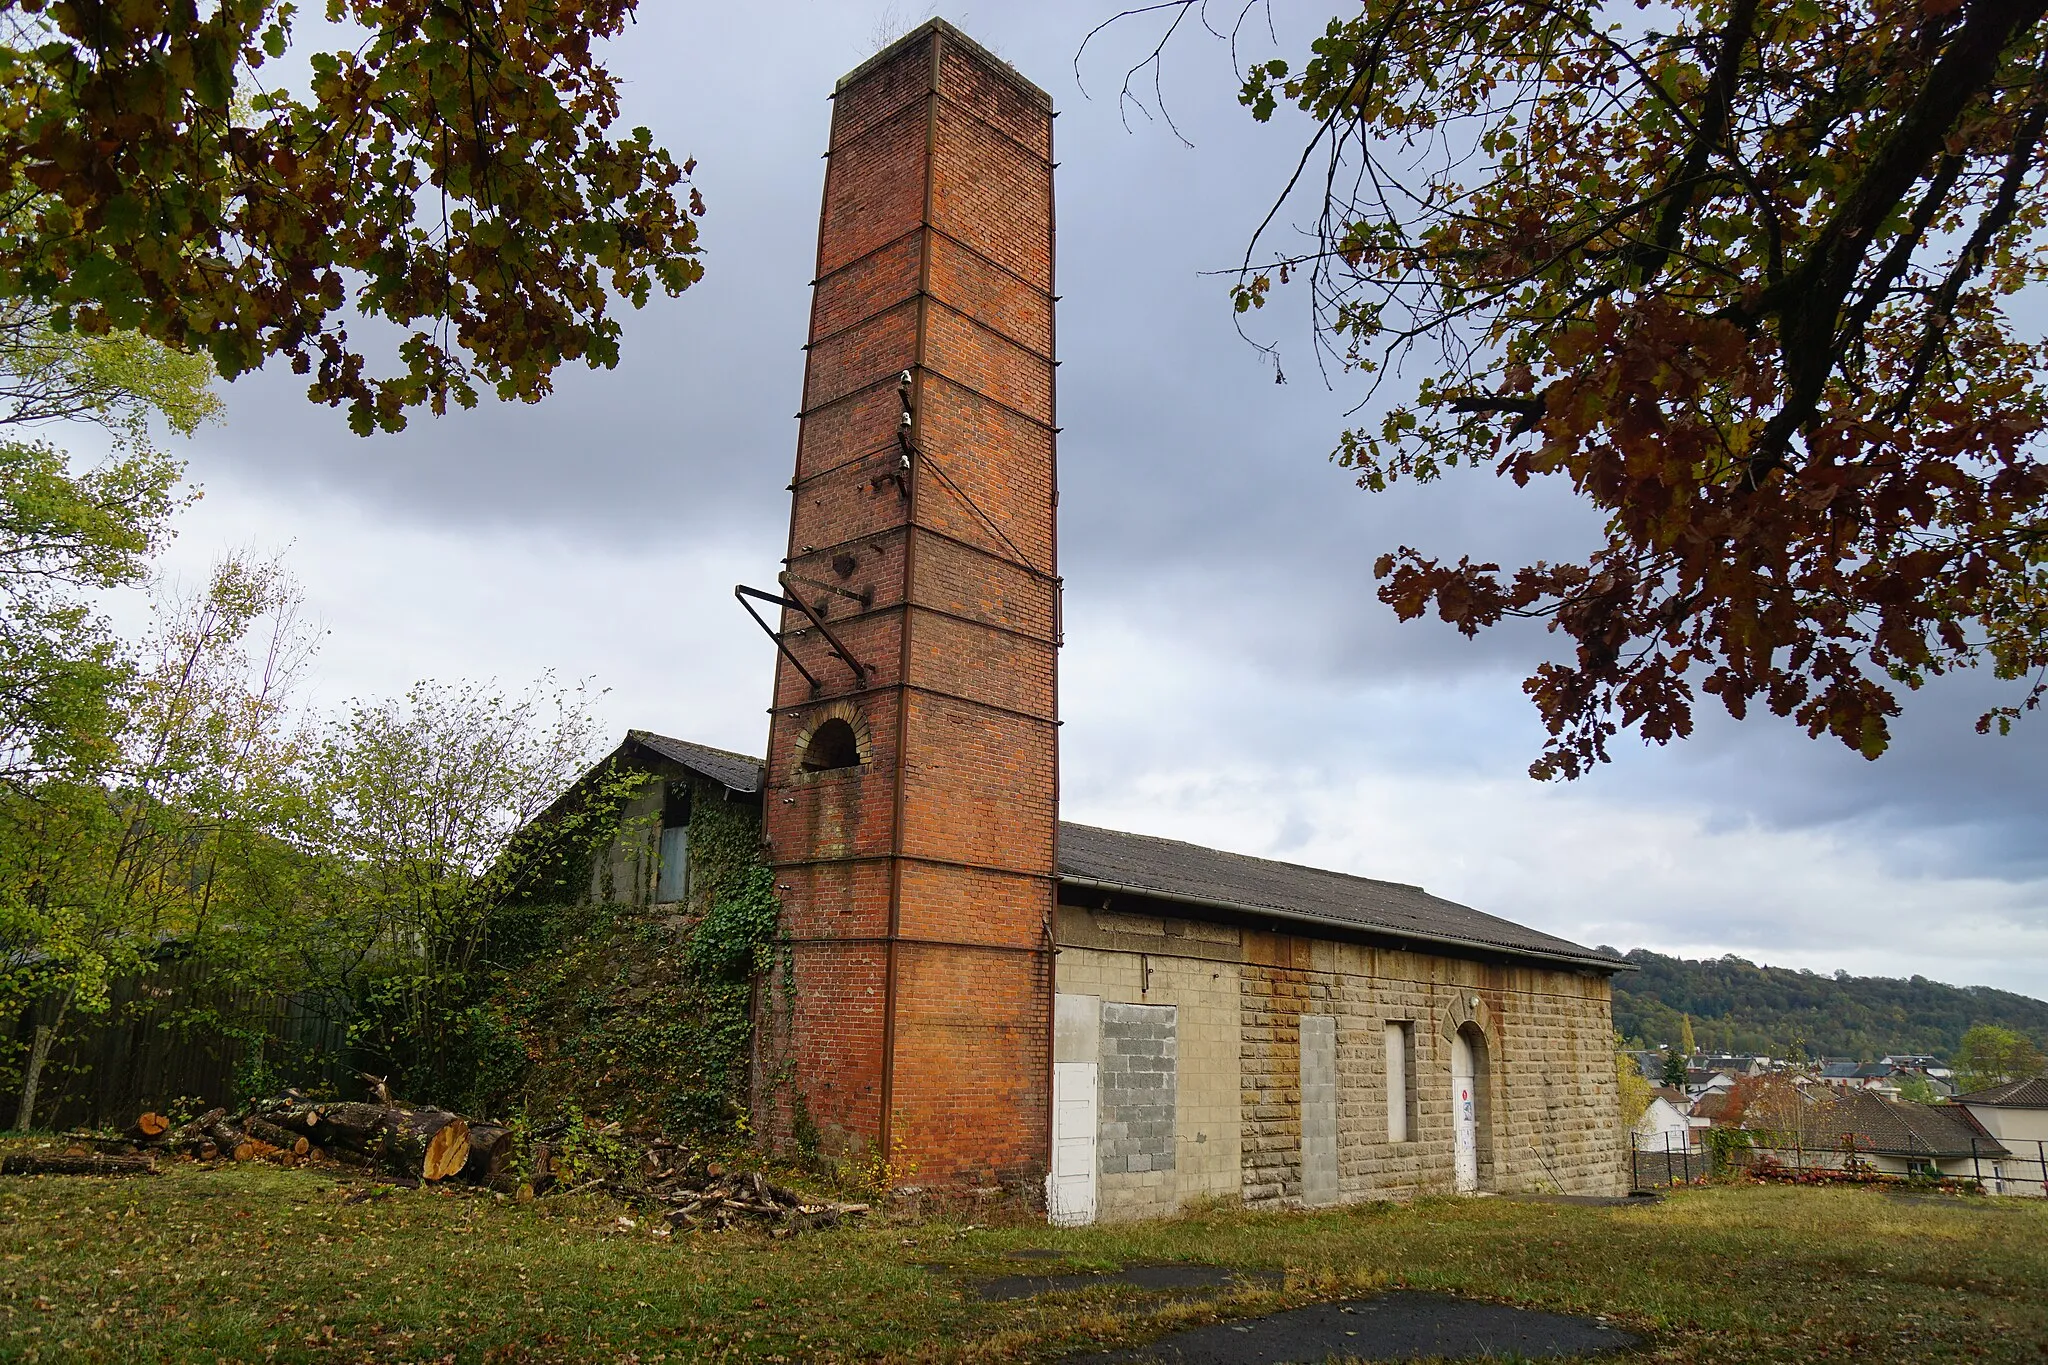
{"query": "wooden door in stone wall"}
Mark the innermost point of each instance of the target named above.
(1464, 1114)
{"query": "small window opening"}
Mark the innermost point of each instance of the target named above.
(832, 745)
(1400, 1080)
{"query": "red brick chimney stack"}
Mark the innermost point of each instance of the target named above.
(912, 792)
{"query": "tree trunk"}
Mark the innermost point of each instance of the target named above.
(32, 1072)
(193, 1132)
(85, 1164)
(431, 1143)
(284, 1140)
(344, 1124)
(490, 1151)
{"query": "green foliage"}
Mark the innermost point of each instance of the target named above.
(1990, 1055)
(601, 1008)
(1760, 283)
(171, 837)
(1737, 1006)
(422, 801)
(1635, 1090)
(1674, 1069)
(1917, 1089)
(453, 169)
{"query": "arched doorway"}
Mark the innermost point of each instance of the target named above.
(1470, 1139)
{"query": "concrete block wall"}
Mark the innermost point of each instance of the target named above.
(1206, 1122)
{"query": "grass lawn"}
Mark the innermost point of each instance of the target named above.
(255, 1264)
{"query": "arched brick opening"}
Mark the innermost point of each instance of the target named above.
(835, 738)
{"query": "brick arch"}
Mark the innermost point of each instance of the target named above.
(863, 737)
(1468, 1007)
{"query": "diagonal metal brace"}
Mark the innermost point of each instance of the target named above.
(743, 592)
(795, 599)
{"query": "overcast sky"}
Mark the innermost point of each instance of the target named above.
(1229, 676)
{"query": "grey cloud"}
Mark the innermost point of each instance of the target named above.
(1201, 522)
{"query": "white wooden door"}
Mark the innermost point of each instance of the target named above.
(1465, 1115)
(1070, 1189)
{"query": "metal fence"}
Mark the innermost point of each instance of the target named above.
(2012, 1167)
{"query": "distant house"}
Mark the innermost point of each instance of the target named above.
(1715, 1109)
(1838, 1075)
(1889, 1136)
(1883, 1077)
(1736, 1064)
(2017, 1115)
(1666, 1125)
(1699, 1080)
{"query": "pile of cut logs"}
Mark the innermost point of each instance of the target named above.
(423, 1144)
(689, 1190)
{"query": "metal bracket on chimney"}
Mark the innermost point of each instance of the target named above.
(743, 592)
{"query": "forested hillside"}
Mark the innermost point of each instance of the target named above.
(1737, 1006)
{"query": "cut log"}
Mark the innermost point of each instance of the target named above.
(89, 1164)
(430, 1143)
(193, 1131)
(263, 1130)
(490, 1152)
(346, 1123)
(149, 1127)
(226, 1136)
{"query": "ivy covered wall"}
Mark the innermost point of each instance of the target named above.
(620, 1008)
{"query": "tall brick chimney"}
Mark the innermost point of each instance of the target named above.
(912, 781)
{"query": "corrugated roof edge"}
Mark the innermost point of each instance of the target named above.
(1587, 959)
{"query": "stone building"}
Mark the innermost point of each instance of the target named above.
(1226, 1026)
(979, 992)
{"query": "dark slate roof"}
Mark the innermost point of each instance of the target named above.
(1174, 871)
(737, 771)
(1901, 1127)
(2031, 1093)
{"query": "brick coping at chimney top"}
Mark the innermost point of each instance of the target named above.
(996, 65)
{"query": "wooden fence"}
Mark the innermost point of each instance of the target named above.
(176, 1037)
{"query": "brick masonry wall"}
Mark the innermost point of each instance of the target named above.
(918, 885)
(1553, 1113)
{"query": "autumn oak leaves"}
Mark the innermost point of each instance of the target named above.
(452, 171)
(1748, 284)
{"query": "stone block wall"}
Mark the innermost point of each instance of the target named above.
(1553, 1112)
(1206, 1124)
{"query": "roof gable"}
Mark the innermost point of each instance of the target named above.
(736, 772)
(2031, 1093)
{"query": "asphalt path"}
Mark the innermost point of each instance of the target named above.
(1402, 1324)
